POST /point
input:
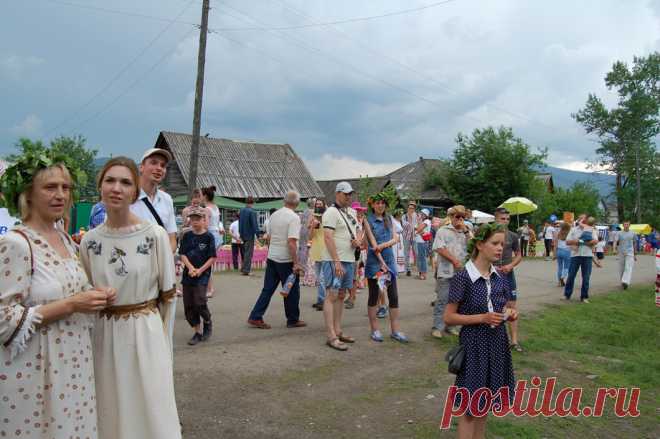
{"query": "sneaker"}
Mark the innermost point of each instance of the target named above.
(436, 333)
(624, 285)
(399, 336)
(195, 339)
(318, 306)
(377, 336)
(584, 300)
(408, 273)
(349, 304)
(452, 331)
(382, 312)
(208, 330)
(296, 324)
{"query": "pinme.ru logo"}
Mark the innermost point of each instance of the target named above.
(566, 402)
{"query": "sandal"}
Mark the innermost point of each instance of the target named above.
(349, 304)
(336, 344)
(515, 347)
(345, 338)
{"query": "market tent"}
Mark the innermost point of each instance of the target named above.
(482, 217)
(221, 202)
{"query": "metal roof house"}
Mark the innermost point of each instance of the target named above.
(237, 168)
(407, 180)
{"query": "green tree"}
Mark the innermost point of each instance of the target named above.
(490, 166)
(626, 132)
(582, 197)
(72, 147)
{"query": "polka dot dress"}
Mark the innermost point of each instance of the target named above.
(47, 390)
(487, 355)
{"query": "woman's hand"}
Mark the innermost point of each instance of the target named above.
(492, 318)
(89, 301)
(513, 314)
(111, 294)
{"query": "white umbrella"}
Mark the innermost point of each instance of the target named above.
(482, 217)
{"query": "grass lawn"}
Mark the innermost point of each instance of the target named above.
(612, 342)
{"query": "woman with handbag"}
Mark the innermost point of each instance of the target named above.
(480, 301)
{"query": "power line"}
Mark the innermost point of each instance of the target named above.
(121, 71)
(133, 84)
(427, 77)
(336, 60)
(265, 27)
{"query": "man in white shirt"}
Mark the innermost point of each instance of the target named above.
(284, 231)
(625, 246)
(236, 243)
(548, 238)
(338, 262)
(153, 169)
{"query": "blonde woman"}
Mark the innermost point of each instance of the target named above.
(132, 359)
(47, 372)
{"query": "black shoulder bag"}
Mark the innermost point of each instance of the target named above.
(357, 249)
(151, 208)
(455, 358)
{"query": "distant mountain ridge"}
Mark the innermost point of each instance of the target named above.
(565, 178)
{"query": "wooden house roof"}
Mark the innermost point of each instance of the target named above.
(239, 169)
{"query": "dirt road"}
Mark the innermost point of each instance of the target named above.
(282, 382)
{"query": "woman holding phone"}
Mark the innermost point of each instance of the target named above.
(480, 300)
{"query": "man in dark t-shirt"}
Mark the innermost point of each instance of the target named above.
(511, 257)
(197, 250)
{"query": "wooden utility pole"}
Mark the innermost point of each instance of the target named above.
(199, 91)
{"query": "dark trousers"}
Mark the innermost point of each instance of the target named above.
(548, 247)
(248, 249)
(235, 250)
(195, 304)
(276, 274)
(579, 263)
(523, 246)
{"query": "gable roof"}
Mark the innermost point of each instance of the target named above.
(239, 169)
(409, 179)
(328, 186)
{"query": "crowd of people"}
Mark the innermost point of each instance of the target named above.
(87, 329)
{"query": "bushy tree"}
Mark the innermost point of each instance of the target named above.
(489, 166)
(72, 147)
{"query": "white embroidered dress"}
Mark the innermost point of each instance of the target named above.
(132, 359)
(46, 372)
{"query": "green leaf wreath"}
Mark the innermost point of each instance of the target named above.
(481, 234)
(20, 174)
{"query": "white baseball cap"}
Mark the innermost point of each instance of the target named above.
(344, 187)
(153, 151)
(426, 212)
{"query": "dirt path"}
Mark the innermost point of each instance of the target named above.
(285, 383)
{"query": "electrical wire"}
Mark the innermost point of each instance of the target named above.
(123, 70)
(133, 84)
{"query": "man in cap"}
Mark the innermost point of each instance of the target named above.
(338, 259)
(451, 246)
(154, 205)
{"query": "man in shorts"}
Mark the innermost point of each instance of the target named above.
(511, 257)
(338, 259)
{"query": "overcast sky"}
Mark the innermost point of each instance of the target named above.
(361, 97)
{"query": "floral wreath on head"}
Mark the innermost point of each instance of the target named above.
(481, 234)
(20, 174)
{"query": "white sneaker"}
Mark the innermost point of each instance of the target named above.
(436, 333)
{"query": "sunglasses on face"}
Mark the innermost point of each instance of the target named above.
(459, 217)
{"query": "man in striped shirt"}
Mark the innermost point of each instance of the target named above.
(409, 223)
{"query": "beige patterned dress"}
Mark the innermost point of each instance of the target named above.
(132, 358)
(46, 372)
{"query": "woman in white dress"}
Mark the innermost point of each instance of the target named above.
(215, 227)
(46, 374)
(132, 359)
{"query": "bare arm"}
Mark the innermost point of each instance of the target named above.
(452, 317)
(449, 256)
(292, 243)
(85, 302)
(172, 237)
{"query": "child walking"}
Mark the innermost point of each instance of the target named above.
(197, 252)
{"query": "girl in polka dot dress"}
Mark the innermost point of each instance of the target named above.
(46, 367)
(480, 301)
